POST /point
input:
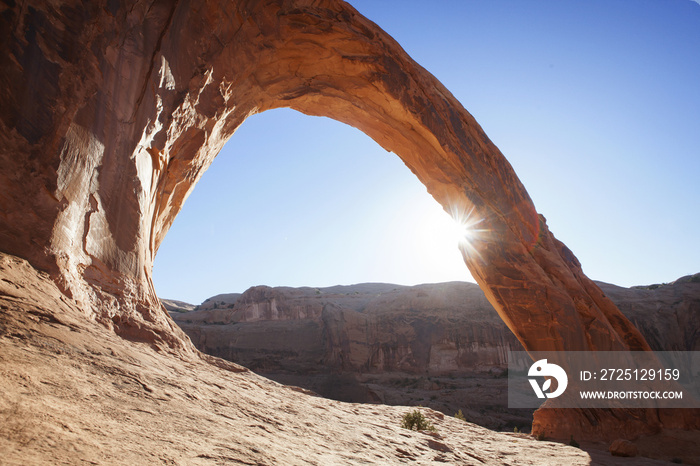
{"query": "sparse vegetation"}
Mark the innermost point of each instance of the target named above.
(416, 421)
(460, 415)
(540, 436)
(516, 430)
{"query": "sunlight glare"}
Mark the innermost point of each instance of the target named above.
(464, 229)
(459, 228)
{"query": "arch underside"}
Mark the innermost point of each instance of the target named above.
(136, 105)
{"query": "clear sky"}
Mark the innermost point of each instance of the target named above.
(595, 103)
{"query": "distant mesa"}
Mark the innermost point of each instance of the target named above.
(172, 305)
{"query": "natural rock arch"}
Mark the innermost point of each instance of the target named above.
(110, 114)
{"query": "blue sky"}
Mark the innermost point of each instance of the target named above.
(596, 105)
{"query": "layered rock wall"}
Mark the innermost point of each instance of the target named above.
(427, 329)
(370, 328)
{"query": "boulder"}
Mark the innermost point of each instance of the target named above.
(622, 447)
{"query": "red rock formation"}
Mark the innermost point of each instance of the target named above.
(112, 112)
(435, 329)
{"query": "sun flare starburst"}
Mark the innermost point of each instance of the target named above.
(465, 229)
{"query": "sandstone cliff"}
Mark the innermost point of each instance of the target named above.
(368, 328)
(668, 315)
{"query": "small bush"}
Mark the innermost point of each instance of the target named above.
(416, 421)
(540, 436)
(460, 415)
(516, 430)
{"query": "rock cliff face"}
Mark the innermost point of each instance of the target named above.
(369, 328)
(112, 111)
(440, 345)
(668, 315)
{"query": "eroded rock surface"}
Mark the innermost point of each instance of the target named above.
(111, 112)
(426, 329)
(668, 315)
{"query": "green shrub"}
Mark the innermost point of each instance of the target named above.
(416, 421)
(460, 415)
(516, 430)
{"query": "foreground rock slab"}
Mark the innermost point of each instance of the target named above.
(73, 392)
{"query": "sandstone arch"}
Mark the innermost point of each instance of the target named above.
(111, 114)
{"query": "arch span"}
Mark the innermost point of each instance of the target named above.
(111, 115)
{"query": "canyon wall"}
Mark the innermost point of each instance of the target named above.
(368, 328)
(436, 345)
(111, 112)
(432, 329)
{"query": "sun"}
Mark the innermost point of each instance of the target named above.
(465, 229)
(459, 230)
(456, 228)
(431, 240)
